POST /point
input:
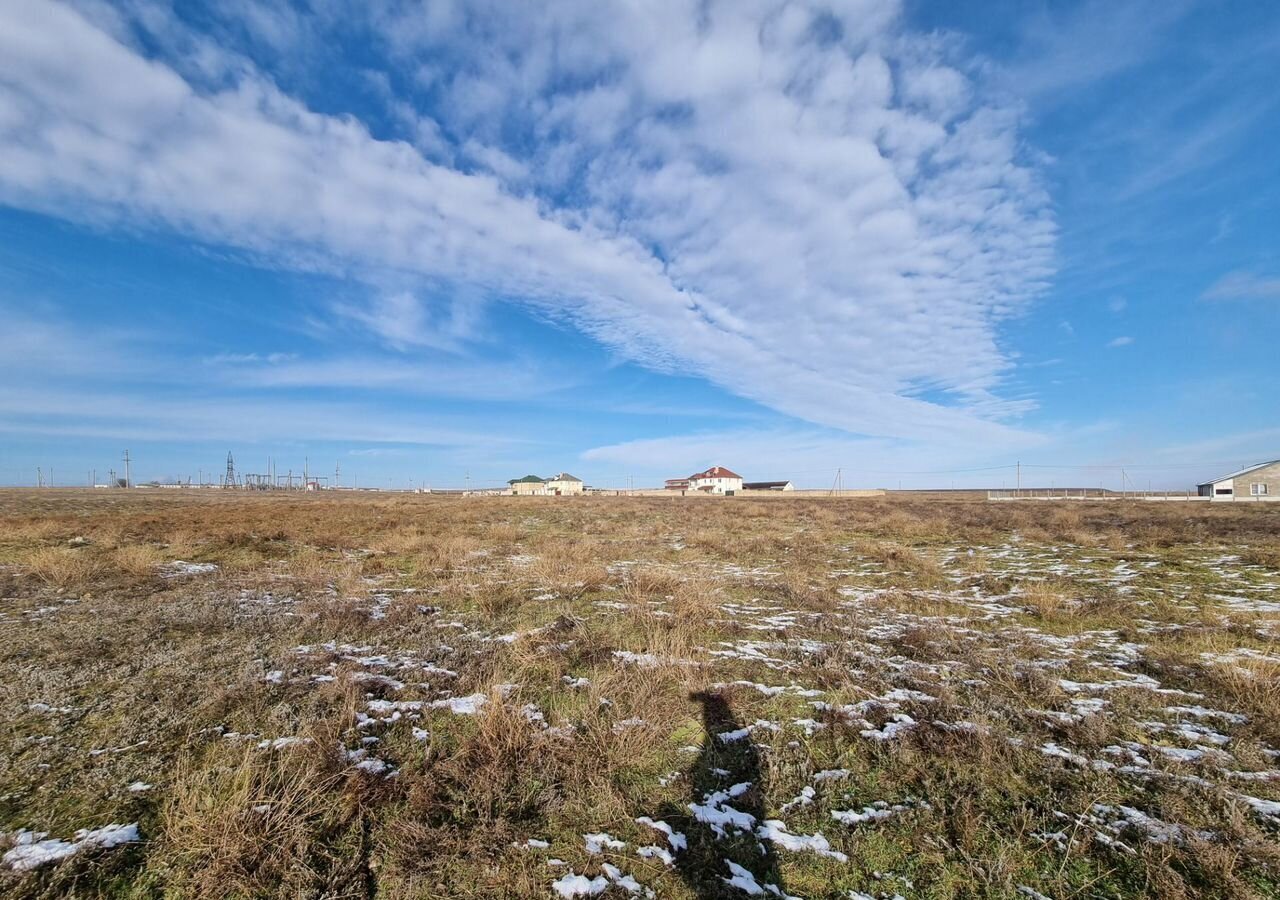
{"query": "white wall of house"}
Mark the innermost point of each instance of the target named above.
(564, 487)
(1243, 488)
(717, 485)
(1217, 489)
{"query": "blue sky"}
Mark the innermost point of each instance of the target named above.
(451, 243)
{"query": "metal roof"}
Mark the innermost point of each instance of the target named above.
(1244, 471)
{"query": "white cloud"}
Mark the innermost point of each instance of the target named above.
(810, 458)
(455, 378)
(238, 359)
(1122, 341)
(1243, 286)
(805, 204)
(1064, 48)
(403, 320)
(124, 416)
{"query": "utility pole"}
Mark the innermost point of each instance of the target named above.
(1019, 478)
(39, 477)
(337, 470)
(128, 472)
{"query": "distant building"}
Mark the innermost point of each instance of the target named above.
(1260, 482)
(677, 484)
(716, 480)
(563, 485)
(768, 486)
(528, 486)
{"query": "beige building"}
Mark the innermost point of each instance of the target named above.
(563, 485)
(1260, 482)
(528, 486)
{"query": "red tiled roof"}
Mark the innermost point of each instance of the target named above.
(716, 472)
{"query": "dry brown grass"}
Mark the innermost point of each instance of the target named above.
(63, 567)
(529, 593)
(137, 560)
(238, 822)
(1048, 601)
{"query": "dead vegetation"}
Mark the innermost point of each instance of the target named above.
(393, 696)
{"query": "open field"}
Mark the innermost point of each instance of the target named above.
(382, 696)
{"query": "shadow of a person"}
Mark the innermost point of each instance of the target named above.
(723, 856)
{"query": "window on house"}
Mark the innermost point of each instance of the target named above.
(1223, 491)
(1258, 490)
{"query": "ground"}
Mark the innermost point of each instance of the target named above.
(411, 696)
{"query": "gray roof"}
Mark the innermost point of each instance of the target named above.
(564, 476)
(1244, 471)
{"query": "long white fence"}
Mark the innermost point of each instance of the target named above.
(1094, 494)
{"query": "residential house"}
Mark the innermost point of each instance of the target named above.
(528, 486)
(1260, 482)
(716, 480)
(563, 485)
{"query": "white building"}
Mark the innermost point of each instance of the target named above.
(563, 485)
(716, 480)
(1260, 482)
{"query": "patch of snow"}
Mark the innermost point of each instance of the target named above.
(643, 660)
(282, 743)
(462, 706)
(573, 885)
(598, 842)
(675, 838)
(900, 724)
(178, 569)
(715, 811)
(776, 831)
(33, 850)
